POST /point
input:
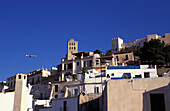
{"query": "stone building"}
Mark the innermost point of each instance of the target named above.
(117, 43)
(151, 94)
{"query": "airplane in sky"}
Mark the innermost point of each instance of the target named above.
(31, 55)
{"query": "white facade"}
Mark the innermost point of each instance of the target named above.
(70, 104)
(142, 71)
(20, 99)
(116, 44)
(7, 101)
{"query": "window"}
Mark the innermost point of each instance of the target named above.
(74, 43)
(90, 62)
(138, 75)
(77, 63)
(56, 96)
(127, 75)
(70, 66)
(146, 75)
(76, 91)
(112, 74)
(126, 57)
(19, 77)
(65, 65)
(56, 88)
(64, 105)
(108, 76)
(69, 47)
(117, 57)
(97, 62)
(74, 48)
(24, 77)
(32, 81)
(157, 102)
(85, 64)
(96, 90)
(69, 43)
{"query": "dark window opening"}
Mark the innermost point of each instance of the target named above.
(70, 66)
(96, 90)
(112, 74)
(77, 63)
(85, 64)
(32, 81)
(76, 91)
(127, 75)
(157, 102)
(56, 88)
(146, 75)
(90, 62)
(19, 76)
(56, 96)
(64, 105)
(108, 76)
(138, 75)
(65, 65)
(117, 57)
(126, 57)
(97, 62)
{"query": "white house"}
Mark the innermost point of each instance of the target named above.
(127, 72)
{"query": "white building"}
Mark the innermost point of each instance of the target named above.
(127, 72)
(18, 100)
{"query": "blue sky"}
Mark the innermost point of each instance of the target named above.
(43, 27)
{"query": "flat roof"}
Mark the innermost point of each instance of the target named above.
(123, 67)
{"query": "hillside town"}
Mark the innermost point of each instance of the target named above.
(122, 79)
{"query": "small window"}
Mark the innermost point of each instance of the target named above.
(108, 76)
(69, 43)
(56, 96)
(138, 76)
(74, 48)
(74, 43)
(127, 75)
(117, 57)
(77, 63)
(112, 74)
(24, 77)
(97, 62)
(19, 77)
(64, 105)
(126, 57)
(76, 91)
(146, 75)
(85, 65)
(69, 47)
(56, 88)
(96, 90)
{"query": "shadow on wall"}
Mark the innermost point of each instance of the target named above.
(157, 99)
(89, 102)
